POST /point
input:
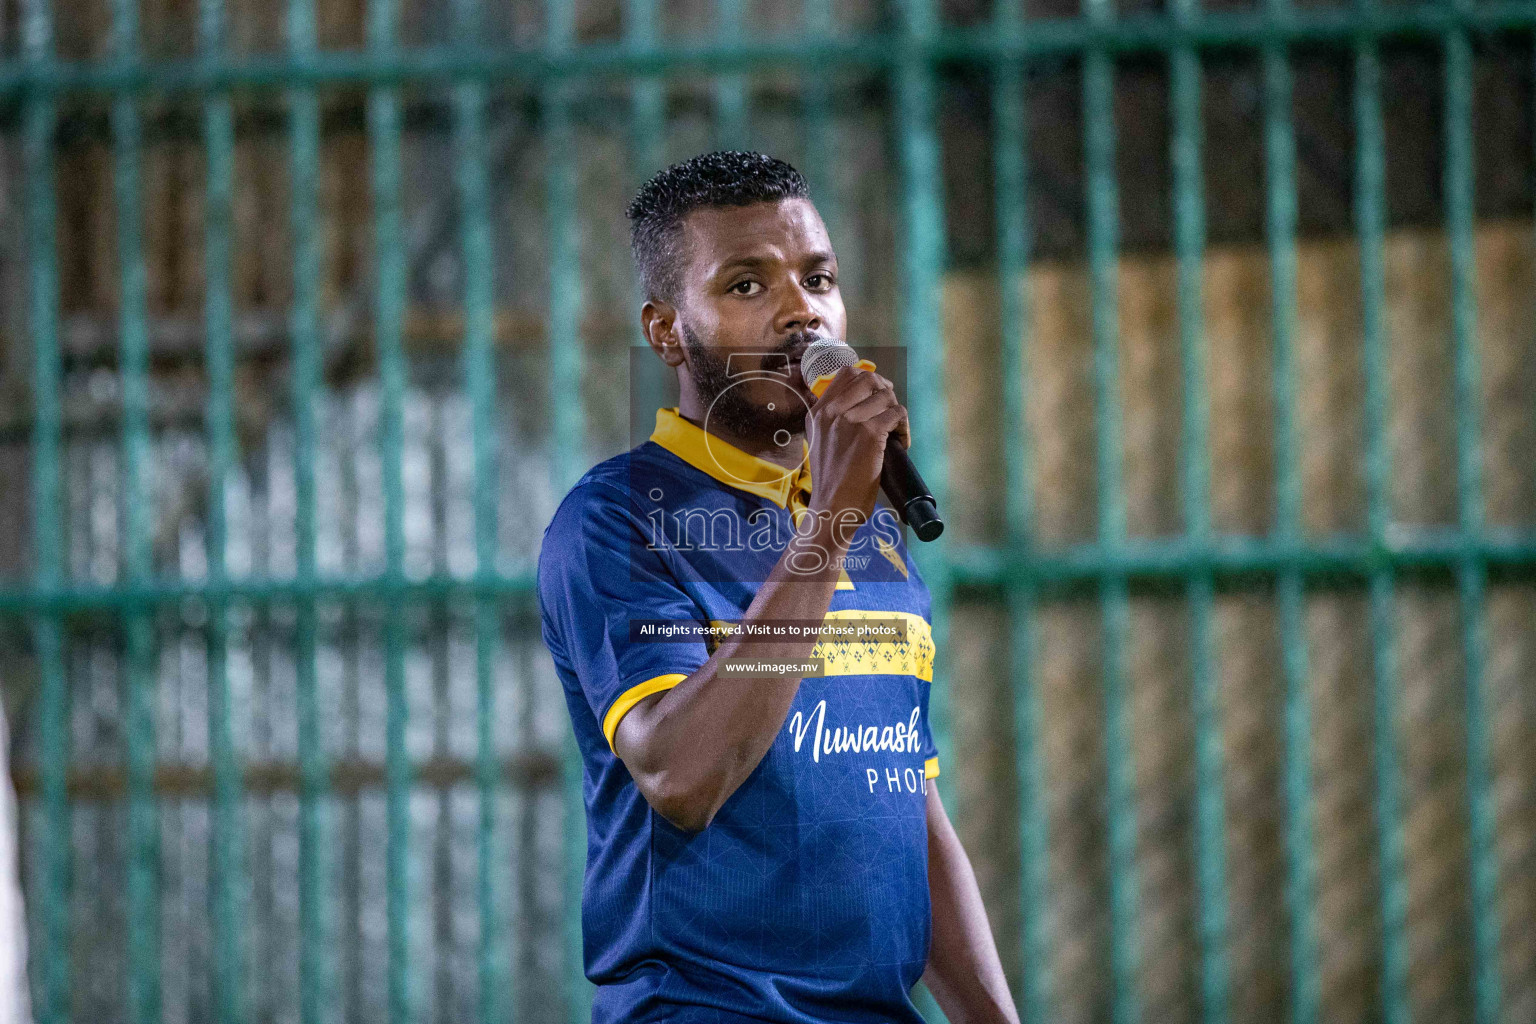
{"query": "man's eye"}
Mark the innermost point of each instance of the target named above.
(745, 287)
(825, 279)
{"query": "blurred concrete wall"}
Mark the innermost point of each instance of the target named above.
(859, 194)
(1431, 711)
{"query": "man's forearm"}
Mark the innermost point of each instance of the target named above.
(690, 747)
(964, 972)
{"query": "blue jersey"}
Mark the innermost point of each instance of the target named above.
(806, 898)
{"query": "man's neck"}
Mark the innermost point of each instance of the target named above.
(789, 455)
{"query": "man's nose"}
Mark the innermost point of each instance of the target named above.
(797, 313)
(799, 318)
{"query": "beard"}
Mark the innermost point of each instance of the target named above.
(730, 406)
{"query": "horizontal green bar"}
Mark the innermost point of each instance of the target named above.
(343, 778)
(974, 565)
(1045, 37)
(358, 590)
(1176, 561)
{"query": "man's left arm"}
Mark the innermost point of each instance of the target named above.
(964, 973)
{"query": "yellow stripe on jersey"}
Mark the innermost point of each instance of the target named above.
(632, 696)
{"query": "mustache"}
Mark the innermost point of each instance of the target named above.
(778, 361)
(800, 339)
(721, 368)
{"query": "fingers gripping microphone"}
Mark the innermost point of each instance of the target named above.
(899, 478)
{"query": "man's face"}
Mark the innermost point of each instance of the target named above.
(759, 285)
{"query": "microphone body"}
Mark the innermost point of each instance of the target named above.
(908, 495)
(900, 481)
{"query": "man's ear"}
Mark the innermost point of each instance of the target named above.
(658, 321)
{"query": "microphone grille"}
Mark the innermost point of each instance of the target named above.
(826, 356)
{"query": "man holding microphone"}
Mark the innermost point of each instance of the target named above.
(764, 839)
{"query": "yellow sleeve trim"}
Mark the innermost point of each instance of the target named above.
(931, 768)
(632, 696)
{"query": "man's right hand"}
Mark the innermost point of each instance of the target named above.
(847, 428)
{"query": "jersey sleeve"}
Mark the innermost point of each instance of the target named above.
(930, 748)
(597, 574)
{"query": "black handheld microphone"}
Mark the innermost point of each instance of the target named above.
(899, 479)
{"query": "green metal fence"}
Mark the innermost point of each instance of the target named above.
(912, 54)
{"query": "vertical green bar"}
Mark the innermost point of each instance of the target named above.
(565, 351)
(317, 991)
(647, 104)
(922, 266)
(225, 882)
(480, 382)
(1103, 268)
(1370, 216)
(731, 129)
(1471, 577)
(648, 112)
(1010, 136)
(389, 311)
(1280, 229)
(568, 433)
(1195, 474)
(51, 958)
(819, 138)
(137, 511)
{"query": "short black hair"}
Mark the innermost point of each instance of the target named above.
(721, 179)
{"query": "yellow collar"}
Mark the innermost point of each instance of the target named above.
(730, 465)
